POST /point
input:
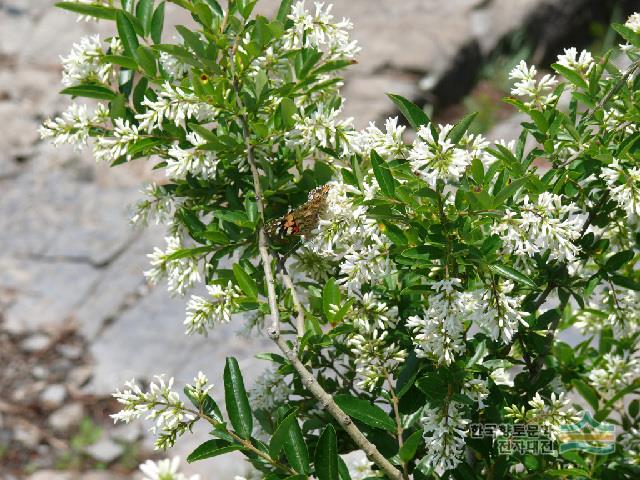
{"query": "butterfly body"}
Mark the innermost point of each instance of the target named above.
(303, 220)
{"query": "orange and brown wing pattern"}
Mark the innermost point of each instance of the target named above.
(304, 219)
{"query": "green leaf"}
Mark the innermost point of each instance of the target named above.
(296, 449)
(617, 260)
(629, 35)
(281, 434)
(284, 10)
(126, 62)
(288, 110)
(330, 296)
(211, 448)
(411, 444)
(147, 60)
(383, 174)
(460, 128)
(326, 457)
(366, 412)
(571, 75)
(127, 35)
(246, 283)
(106, 13)
(587, 392)
(236, 399)
(144, 12)
(512, 274)
(568, 472)
(414, 114)
(157, 24)
(90, 91)
(508, 191)
(215, 7)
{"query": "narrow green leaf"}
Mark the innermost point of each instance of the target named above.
(571, 75)
(157, 24)
(587, 392)
(296, 449)
(326, 457)
(512, 273)
(288, 110)
(147, 60)
(460, 128)
(127, 35)
(629, 35)
(366, 412)
(330, 296)
(281, 434)
(215, 7)
(236, 399)
(90, 91)
(382, 174)
(96, 11)
(568, 472)
(246, 283)
(618, 260)
(411, 444)
(284, 10)
(211, 448)
(414, 114)
(121, 60)
(508, 191)
(144, 13)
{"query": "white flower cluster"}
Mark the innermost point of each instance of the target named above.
(376, 358)
(182, 273)
(269, 391)
(434, 159)
(633, 23)
(439, 332)
(388, 144)
(173, 67)
(582, 64)
(346, 235)
(444, 433)
(199, 391)
(166, 469)
(161, 404)
(318, 30)
(630, 443)
(205, 313)
(110, 148)
(74, 125)
(322, 128)
(359, 466)
(539, 92)
(546, 225)
(157, 207)
(174, 104)
(497, 313)
(197, 162)
(85, 63)
(477, 389)
(552, 415)
(616, 308)
(624, 187)
(616, 372)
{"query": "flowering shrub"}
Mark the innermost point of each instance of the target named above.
(414, 289)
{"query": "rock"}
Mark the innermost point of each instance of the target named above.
(27, 434)
(72, 352)
(35, 343)
(79, 376)
(105, 450)
(39, 372)
(127, 432)
(53, 396)
(67, 417)
(52, 475)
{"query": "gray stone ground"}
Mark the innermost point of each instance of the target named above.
(67, 254)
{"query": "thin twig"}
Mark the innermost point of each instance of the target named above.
(399, 428)
(296, 301)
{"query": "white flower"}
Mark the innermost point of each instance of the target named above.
(359, 466)
(501, 377)
(270, 390)
(175, 105)
(157, 207)
(375, 356)
(74, 126)
(85, 63)
(633, 23)
(539, 92)
(205, 313)
(477, 389)
(439, 332)
(161, 404)
(615, 308)
(197, 162)
(552, 414)
(546, 225)
(388, 144)
(181, 273)
(321, 128)
(581, 64)
(624, 186)
(498, 314)
(616, 373)
(176, 69)
(444, 432)
(200, 388)
(110, 148)
(319, 31)
(166, 469)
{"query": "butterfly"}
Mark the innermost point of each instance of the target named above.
(303, 220)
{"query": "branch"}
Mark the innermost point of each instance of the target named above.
(399, 429)
(336, 412)
(296, 301)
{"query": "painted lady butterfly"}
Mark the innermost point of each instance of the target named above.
(302, 220)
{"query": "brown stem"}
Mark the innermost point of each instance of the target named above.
(399, 428)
